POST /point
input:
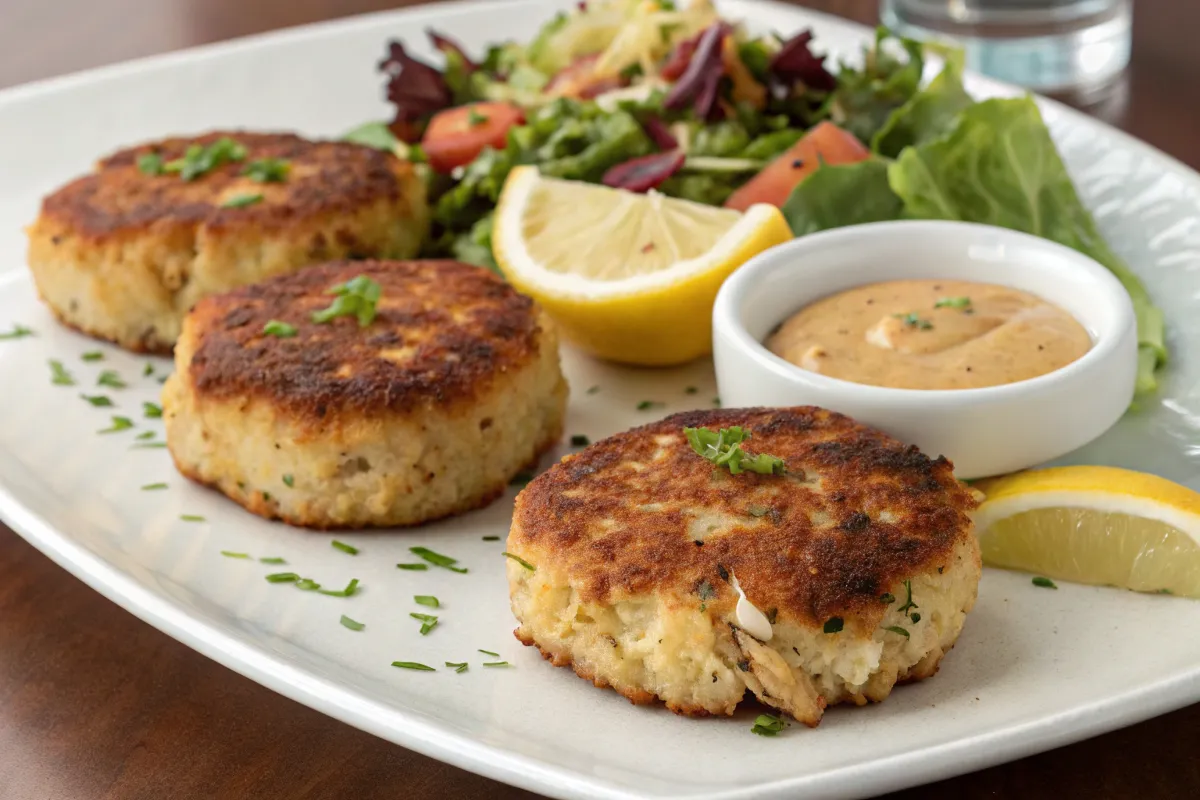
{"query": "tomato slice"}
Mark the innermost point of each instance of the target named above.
(455, 136)
(826, 143)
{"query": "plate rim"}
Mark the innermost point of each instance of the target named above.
(348, 706)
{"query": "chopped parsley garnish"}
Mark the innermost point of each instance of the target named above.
(522, 478)
(345, 548)
(428, 621)
(94, 355)
(496, 664)
(691, 390)
(915, 617)
(491, 538)
(724, 448)
(356, 297)
(768, 725)
(231, 554)
(646, 405)
(520, 561)
(421, 567)
(834, 625)
(953, 302)
(199, 159)
(147, 370)
(289, 482)
(153, 487)
(350, 590)
(152, 410)
(267, 170)
(111, 379)
(474, 118)
(351, 624)
(150, 163)
(897, 629)
(191, 518)
(282, 577)
(913, 320)
(490, 653)
(98, 400)
(242, 200)
(426, 600)
(1045, 583)
(457, 666)
(272, 560)
(59, 375)
(413, 665)
(593, 389)
(278, 328)
(579, 440)
(118, 424)
(887, 598)
(437, 559)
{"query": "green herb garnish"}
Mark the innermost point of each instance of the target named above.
(199, 159)
(496, 664)
(152, 410)
(350, 590)
(413, 665)
(111, 379)
(426, 600)
(289, 481)
(144, 435)
(272, 560)
(283, 577)
(153, 487)
(421, 567)
(345, 548)
(267, 170)
(490, 653)
(1163, 591)
(149, 446)
(724, 448)
(768, 725)
(520, 561)
(191, 518)
(231, 554)
(646, 405)
(437, 559)
(150, 163)
(98, 400)
(908, 602)
(428, 621)
(897, 629)
(118, 424)
(242, 200)
(356, 297)
(834, 625)
(474, 118)
(281, 329)
(94, 355)
(307, 585)
(913, 320)
(147, 370)
(457, 667)
(491, 538)
(953, 302)
(579, 440)
(1045, 583)
(59, 375)
(887, 598)
(17, 332)
(351, 624)
(691, 390)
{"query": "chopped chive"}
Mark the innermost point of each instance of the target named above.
(691, 390)
(897, 629)
(913, 320)
(421, 567)
(646, 405)
(231, 554)
(428, 622)
(17, 332)
(147, 370)
(267, 170)
(151, 487)
(491, 538)
(457, 667)
(307, 585)
(351, 624)
(426, 600)
(834, 625)
(350, 590)
(98, 400)
(148, 446)
(144, 435)
(490, 653)
(579, 440)
(1045, 583)
(520, 561)
(280, 329)
(768, 725)
(118, 424)
(496, 664)
(191, 518)
(953, 302)
(522, 478)
(908, 603)
(437, 559)
(289, 481)
(111, 379)
(283, 577)
(593, 389)
(152, 410)
(413, 665)
(94, 355)
(272, 560)
(242, 200)
(59, 375)
(345, 548)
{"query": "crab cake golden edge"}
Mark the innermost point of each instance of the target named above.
(655, 618)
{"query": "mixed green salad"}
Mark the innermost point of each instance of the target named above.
(643, 95)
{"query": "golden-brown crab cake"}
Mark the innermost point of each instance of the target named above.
(860, 560)
(122, 253)
(428, 410)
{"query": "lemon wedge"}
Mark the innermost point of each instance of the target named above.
(628, 277)
(1097, 525)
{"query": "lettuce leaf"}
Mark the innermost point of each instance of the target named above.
(865, 98)
(839, 195)
(927, 115)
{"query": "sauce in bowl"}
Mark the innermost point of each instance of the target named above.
(931, 334)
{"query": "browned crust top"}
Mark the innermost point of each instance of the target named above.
(857, 513)
(324, 177)
(442, 333)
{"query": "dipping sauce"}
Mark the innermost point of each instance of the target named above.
(931, 334)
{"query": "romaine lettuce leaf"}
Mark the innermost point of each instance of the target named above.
(835, 196)
(867, 96)
(927, 115)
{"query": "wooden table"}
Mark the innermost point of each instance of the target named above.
(96, 704)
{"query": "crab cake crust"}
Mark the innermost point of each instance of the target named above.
(122, 255)
(636, 542)
(428, 411)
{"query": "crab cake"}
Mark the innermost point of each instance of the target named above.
(858, 564)
(428, 410)
(123, 253)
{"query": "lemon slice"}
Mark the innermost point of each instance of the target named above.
(1098, 525)
(629, 277)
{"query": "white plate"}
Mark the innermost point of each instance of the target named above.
(1034, 669)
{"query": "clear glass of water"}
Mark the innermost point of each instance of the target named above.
(1045, 45)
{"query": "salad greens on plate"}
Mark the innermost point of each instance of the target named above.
(646, 95)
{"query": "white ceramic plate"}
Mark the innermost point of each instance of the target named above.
(1034, 669)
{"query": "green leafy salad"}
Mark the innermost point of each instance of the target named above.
(643, 95)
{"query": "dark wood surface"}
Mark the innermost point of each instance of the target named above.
(96, 704)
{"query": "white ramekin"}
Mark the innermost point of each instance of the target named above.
(984, 432)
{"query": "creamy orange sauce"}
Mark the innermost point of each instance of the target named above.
(931, 334)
